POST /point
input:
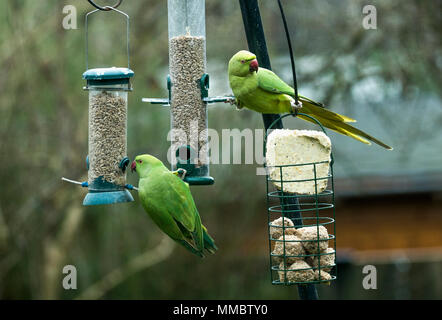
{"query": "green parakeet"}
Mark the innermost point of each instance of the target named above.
(168, 201)
(263, 91)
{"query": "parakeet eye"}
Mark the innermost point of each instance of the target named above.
(243, 61)
(140, 161)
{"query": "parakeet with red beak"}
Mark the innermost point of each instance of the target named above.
(261, 90)
(168, 201)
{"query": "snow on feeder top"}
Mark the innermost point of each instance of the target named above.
(107, 160)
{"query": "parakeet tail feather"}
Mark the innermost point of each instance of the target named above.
(191, 249)
(314, 108)
(348, 130)
(209, 243)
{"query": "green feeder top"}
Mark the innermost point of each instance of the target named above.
(108, 73)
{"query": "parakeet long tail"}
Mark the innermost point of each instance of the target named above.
(209, 243)
(312, 107)
(341, 126)
(191, 249)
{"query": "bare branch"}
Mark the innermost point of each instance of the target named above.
(115, 277)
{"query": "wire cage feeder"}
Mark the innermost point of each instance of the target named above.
(301, 225)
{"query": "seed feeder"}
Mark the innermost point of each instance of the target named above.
(188, 85)
(107, 159)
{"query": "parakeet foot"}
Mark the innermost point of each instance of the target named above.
(235, 102)
(232, 101)
(181, 173)
(295, 106)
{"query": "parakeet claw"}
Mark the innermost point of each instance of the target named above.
(232, 101)
(182, 173)
(295, 106)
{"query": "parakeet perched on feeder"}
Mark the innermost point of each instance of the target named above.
(168, 201)
(261, 90)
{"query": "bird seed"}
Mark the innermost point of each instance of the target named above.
(107, 136)
(188, 111)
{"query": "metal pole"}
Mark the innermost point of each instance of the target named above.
(257, 44)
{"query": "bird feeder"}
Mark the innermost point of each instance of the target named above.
(188, 85)
(301, 216)
(187, 68)
(107, 159)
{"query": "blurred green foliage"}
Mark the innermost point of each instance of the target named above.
(118, 251)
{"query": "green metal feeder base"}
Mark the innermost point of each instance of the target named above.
(195, 181)
(109, 197)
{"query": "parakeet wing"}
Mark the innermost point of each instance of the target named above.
(181, 207)
(270, 82)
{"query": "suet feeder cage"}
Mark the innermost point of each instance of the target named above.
(188, 85)
(300, 206)
(107, 159)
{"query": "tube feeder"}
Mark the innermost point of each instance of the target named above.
(107, 160)
(107, 146)
(188, 85)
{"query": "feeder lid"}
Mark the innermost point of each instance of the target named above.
(108, 73)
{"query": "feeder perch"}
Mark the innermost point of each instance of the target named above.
(188, 85)
(107, 160)
(302, 241)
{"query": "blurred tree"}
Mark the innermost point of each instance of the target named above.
(117, 250)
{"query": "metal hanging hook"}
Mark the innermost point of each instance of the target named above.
(292, 59)
(127, 33)
(105, 8)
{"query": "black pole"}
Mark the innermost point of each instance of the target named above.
(257, 44)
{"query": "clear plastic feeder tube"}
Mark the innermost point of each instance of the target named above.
(107, 157)
(107, 135)
(187, 64)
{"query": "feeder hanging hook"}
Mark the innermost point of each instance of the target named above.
(106, 8)
(127, 32)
